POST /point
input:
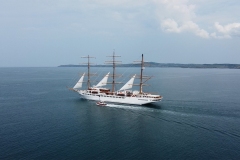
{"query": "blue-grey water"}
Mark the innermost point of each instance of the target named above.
(198, 118)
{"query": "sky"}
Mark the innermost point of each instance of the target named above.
(48, 33)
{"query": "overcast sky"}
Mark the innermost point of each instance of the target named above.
(55, 32)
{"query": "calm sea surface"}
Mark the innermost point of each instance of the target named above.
(198, 118)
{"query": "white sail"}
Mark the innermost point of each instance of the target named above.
(103, 82)
(129, 84)
(79, 83)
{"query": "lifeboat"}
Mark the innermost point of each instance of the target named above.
(101, 103)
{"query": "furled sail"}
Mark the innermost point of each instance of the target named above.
(103, 82)
(79, 83)
(129, 84)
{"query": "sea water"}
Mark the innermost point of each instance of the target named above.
(198, 117)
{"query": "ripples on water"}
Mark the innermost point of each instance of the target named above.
(197, 119)
(148, 109)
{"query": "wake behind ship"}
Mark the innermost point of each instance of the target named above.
(124, 95)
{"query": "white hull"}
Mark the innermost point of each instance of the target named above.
(137, 100)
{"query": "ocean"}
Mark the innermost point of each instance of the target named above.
(198, 118)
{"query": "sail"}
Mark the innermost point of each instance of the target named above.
(129, 84)
(103, 82)
(79, 83)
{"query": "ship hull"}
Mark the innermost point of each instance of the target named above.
(138, 100)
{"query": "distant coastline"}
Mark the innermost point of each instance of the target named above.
(167, 65)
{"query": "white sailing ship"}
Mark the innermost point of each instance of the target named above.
(124, 95)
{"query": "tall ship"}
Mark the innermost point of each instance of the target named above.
(124, 95)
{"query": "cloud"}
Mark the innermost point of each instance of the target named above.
(229, 30)
(181, 16)
(214, 35)
(170, 25)
(178, 9)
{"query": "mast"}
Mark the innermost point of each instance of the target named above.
(114, 66)
(88, 74)
(141, 76)
(113, 62)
